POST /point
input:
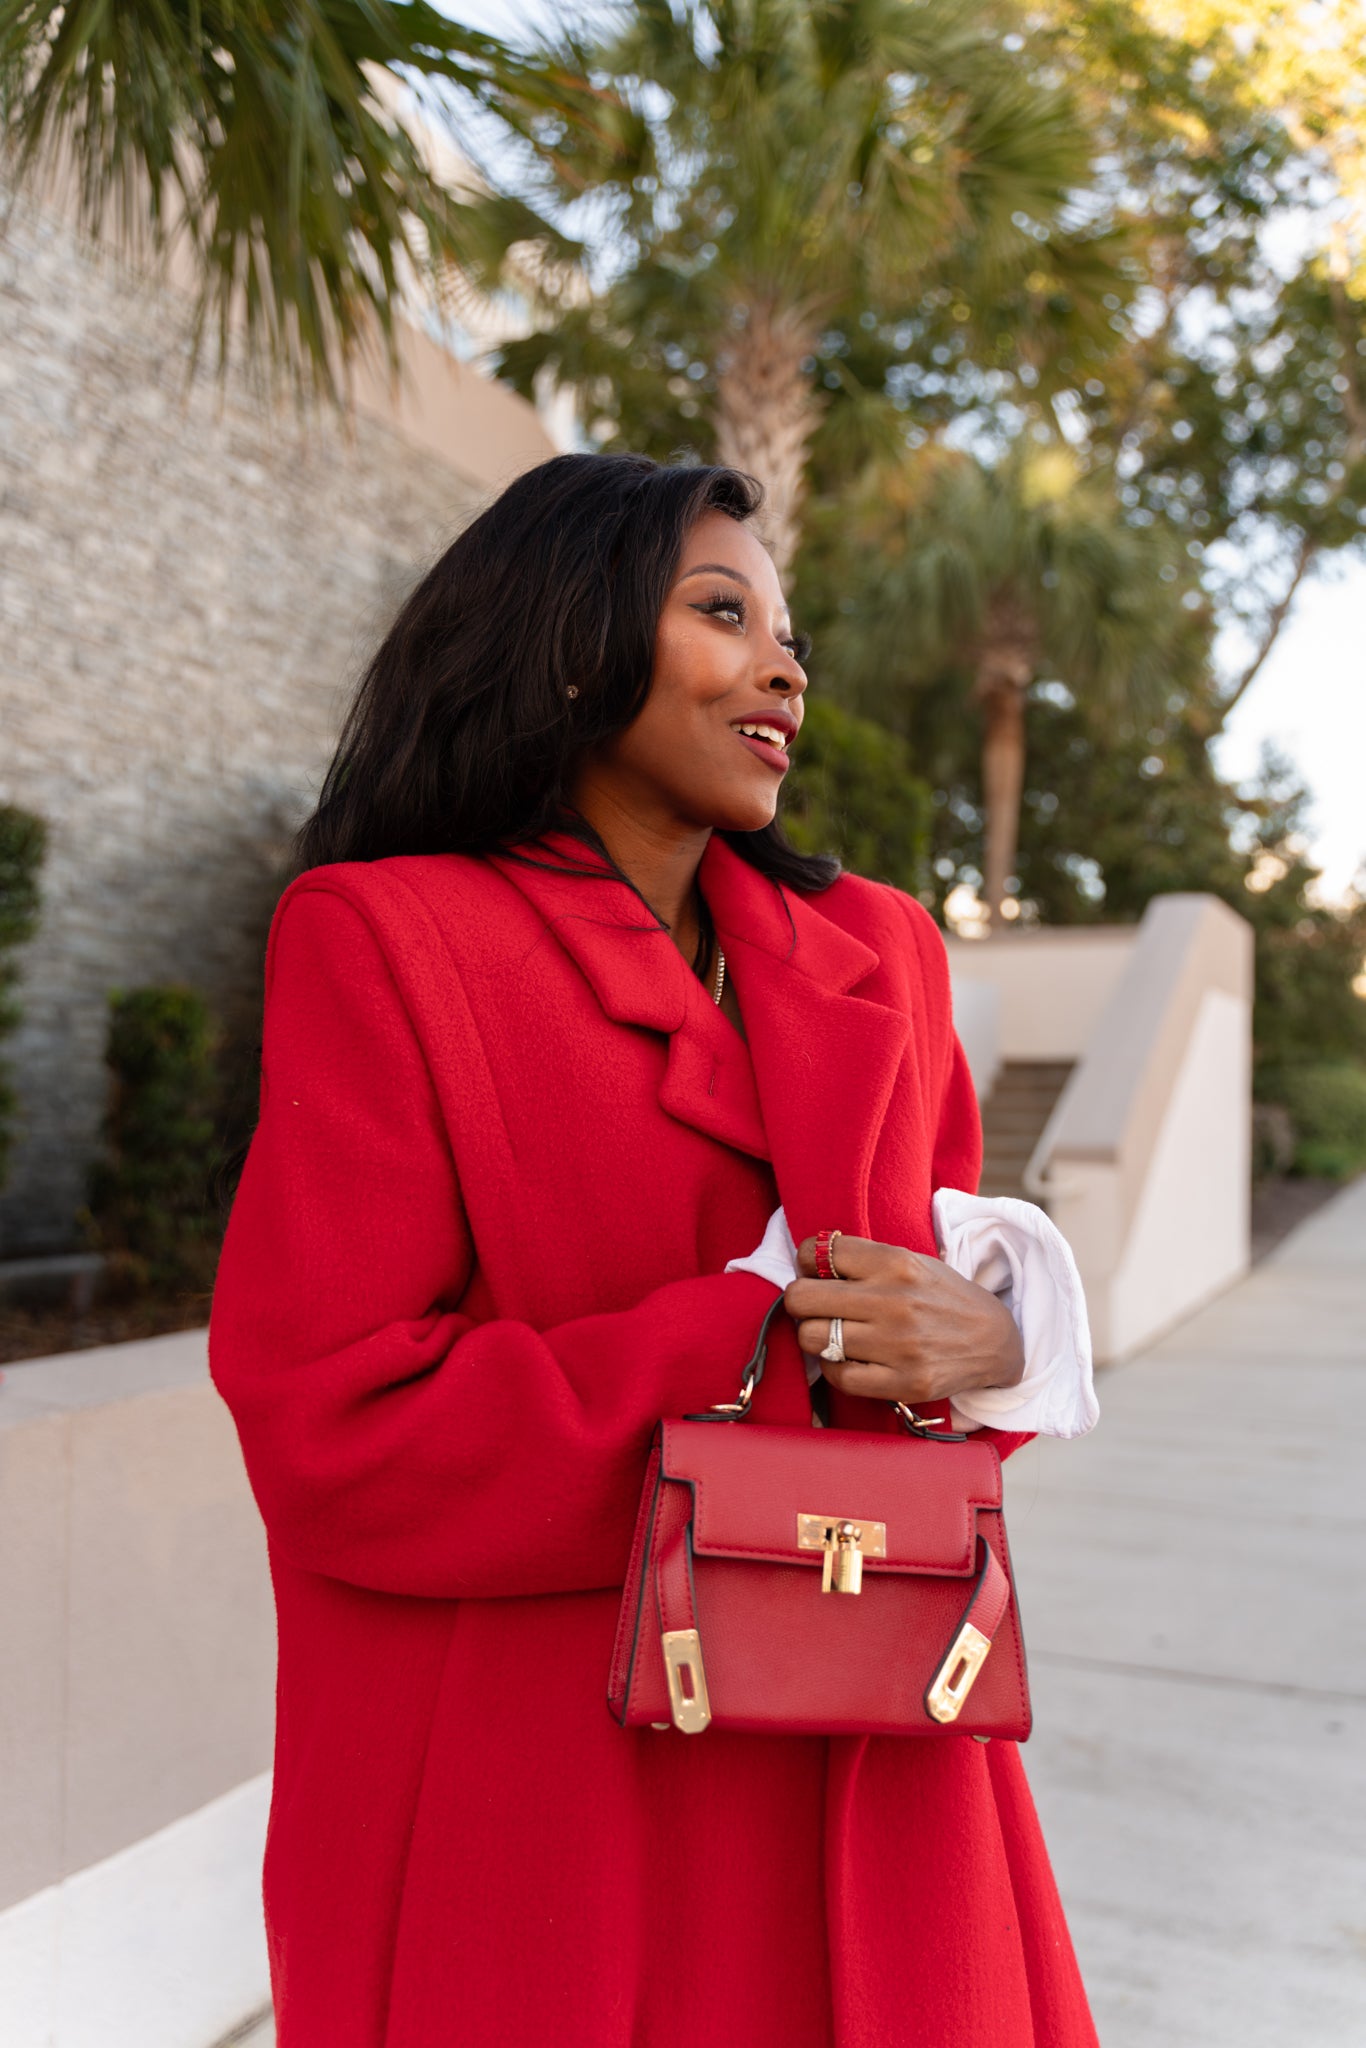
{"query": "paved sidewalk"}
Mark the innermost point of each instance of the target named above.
(1192, 1591)
(258, 2034)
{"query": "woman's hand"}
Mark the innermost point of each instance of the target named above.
(914, 1330)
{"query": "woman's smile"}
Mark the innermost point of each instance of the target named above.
(768, 738)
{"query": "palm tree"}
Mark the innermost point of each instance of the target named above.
(1008, 575)
(262, 134)
(853, 162)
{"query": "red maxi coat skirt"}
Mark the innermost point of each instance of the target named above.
(507, 1145)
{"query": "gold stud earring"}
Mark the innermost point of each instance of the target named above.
(572, 690)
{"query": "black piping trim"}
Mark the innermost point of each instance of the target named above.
(620, 1718)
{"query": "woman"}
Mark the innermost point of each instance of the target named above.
(555, 1020)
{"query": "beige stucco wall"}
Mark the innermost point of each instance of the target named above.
(1051, 985)
(1189, 1235)
(1145, 1160)
(136, 1682)
(188, 585)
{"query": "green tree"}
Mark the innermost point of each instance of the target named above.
(263, 135)
(1115, 814)
(812, 177)
(150, 1198)
(23, 844)
(1232, 407)
(996, 577)
(1224, 389)
(851, 791)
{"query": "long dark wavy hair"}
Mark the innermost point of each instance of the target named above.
(463, 737)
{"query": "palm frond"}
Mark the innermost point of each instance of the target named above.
(252, 130)
(929, 547)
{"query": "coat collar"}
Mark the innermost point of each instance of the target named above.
(813, 1088)
(825, 1055)
(639, 977)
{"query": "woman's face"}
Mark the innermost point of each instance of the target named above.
(709, 748)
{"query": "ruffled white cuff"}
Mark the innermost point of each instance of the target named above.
(1012, 1249)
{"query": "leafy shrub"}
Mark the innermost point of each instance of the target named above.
(150, 1203)
(1327, 1105)
(23, 843)
(1274, 1142)
(851, 791)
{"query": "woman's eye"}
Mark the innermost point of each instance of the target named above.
(722, 607)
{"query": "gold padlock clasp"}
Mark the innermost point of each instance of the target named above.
(845, 1543)
(844, 1560)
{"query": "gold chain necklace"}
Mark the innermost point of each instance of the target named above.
(720, 976)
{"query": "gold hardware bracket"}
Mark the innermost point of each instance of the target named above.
(683, 1666)
(957, 1673)
(916, 1422)
(846, 1543)
(814, 1533)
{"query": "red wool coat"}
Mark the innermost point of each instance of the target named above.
(507, 1145)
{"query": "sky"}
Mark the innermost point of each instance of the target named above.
(1309, 699)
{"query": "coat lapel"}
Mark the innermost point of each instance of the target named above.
(639, 977)
(825, 1057)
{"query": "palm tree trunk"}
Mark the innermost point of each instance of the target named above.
(1005, 670)
(766, 413)
(1003, 758)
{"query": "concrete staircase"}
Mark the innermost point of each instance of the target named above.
(1013, 1116)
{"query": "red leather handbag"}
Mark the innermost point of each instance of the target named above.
(819, 1582)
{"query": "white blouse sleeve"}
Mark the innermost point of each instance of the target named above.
(1012, 1249)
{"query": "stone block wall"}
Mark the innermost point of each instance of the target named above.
(189, 583)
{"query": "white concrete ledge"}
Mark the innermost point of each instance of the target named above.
(1051, 983)
(137, 1679)
(160, 1946)
(1144, 1163)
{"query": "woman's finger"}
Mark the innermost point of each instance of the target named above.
(814, 1334)
(854, 1258)
(872, 1382)
(818, 1298)
(834, 1297)
(864, 1258)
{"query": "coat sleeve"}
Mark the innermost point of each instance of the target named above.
(391, 1440)
(957, 1158)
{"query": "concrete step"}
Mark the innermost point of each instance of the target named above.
(1013, 1118)
(1027, 1074)
(1018, 1118)
(1011, 1144)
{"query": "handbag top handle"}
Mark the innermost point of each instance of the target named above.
(931, 1428)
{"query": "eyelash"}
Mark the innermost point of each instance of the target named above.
(799, 646)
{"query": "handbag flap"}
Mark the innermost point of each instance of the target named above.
(751, 1482)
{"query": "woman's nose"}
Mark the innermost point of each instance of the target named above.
(789, 677)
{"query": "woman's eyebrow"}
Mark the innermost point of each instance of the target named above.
(716, 569)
